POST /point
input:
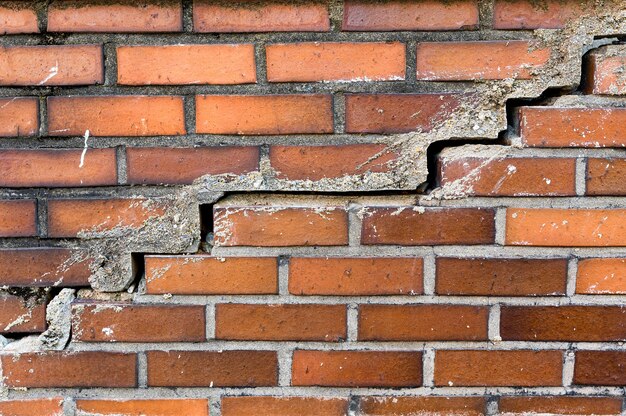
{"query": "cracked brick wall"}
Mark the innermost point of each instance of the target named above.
(359, 207)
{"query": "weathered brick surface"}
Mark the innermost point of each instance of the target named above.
(18, 218)
(600, 368)
(306, 62)
(122, 16)
(561, 405)
(526, 14)
(44, 266)
(19, 315)
(154, 407)
(271, 16)
(284, 406)
(356, 368)
(601, 276)
(18, 20)
(380, 405)
(42, 407)
(398, 15)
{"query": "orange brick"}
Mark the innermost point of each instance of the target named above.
(269, 114)
(186, 64)
(280, 322)
(271, 16)
(158, 165)
(428, 226)
(501, 277)
(605, 71)
(21, 19)
(70, 369)
(396, 113)
(23, 168)
(119, 322)
(519, 368)
(73, 217)
(310, 62)
(51, 65)
(566, 227)
(508, 176)
(19, 117)
(20, 315)
(39, 407)
(280, 226)
(600, 368)
(212, 369)
(44, 266)
(572, 127)
(563, 323)
(284, 406)
(329, 162)
(355, 276)
(527, 14)
(123, 16)
(363, 15)
(18, 218)
(601, 276)
(606, 176)
(152, 407)
(413, 405)
(356, 368)
(205, 275)
(116, 116)
(422, 323)
(457, 61)
(561, 405)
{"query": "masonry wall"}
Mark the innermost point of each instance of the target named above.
(312, 208)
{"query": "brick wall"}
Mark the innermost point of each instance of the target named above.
(394, 207)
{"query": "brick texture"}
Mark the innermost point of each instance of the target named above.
(19, 117)
(159, 407)
(18, 20)
(18, 218)
(601, 276)
(284, 406)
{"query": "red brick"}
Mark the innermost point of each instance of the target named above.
(356, 368)
(70, 369)
(269, 114)
(119, 322)
(20, 315)
(509, 176)
(520, 368)
(363, 15)
(280, 322)
(186, 64)
(21, 19)
(51, 65)
(563, 323)
(152, 407)
(18, 218)
(457, 61)
(23, 168)
(19, 117)
(158, 165)
(422, 323)
(355, 276)
(572, 127)
(39, 407)
(528, 14)
(561, 405)
(284, 406)
(44, 266)
(606, 176)
(398, 113)
(428, 226)
(330, 162)
(271, 16)
(601, 276)
(123, 16)
(501, 277)
(78, 217)
(116, 116)
(600, 368)
(212, 369)
(280, 226)
(414, 405)
(566, 227)
(605, 71)
(205, 275)
(344, 62)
